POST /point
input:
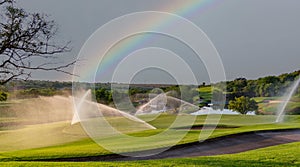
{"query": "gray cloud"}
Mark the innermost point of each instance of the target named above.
(254, 37)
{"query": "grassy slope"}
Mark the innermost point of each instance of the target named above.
(58, 133)
(281, 155)
(87, 147)
(269, 108)
(34, 136)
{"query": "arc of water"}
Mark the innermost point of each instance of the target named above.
(78, 109)
(140, 110)
(282, 109)
(183, 102)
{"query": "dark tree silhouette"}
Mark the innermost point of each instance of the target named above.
(25, 38)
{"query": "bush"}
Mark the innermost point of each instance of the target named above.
(3, 96)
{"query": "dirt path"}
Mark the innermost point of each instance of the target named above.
(223, 145)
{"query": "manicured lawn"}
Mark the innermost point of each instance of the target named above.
(62, 140)
(86, 147)
(281, 155)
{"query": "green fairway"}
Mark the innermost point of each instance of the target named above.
(76, 146)
(129, 83)
(281, 155)
(49, 134)
(23, 140)
(34, 136)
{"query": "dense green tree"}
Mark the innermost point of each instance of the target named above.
(249, 90)
(263, 87)
(103, 96)
(243, 105)
(240, 84)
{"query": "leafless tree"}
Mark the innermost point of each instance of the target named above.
(25, 37)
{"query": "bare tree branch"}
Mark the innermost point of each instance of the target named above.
(24, 37)
(5, 1)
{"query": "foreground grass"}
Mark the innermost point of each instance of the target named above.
(87, 147)
(57, 133)
(281, 155)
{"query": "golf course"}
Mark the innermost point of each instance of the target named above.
(118, 83)
(250, 140)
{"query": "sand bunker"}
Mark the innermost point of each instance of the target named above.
(223, 145)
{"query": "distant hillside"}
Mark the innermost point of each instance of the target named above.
(268, 86)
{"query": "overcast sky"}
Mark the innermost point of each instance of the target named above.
(253, 37)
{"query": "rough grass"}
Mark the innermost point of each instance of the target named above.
(261, 99)
(272, 108)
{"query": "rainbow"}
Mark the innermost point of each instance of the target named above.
(186, 9)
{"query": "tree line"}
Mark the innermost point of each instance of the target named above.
(269, 86)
